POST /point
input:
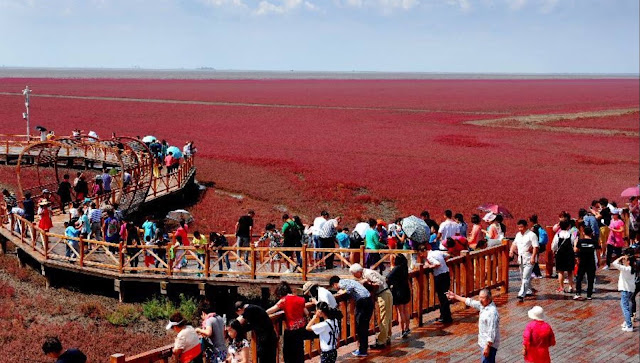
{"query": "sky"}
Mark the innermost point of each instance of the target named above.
(495, 36)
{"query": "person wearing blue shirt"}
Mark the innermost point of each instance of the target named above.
(71, 231)
(149, 228)
(344, 241)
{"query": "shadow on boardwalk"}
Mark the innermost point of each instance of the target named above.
(586, 331)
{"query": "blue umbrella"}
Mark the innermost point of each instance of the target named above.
(175, 150)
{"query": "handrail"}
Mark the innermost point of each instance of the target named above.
(494, 262)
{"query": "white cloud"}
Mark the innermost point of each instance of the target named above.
(384, 5)
(464, 5)
(283, 6)
(221, 3)
(548, 5)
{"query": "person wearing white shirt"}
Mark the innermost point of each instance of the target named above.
(319, 294)
(488, 323)
(525, 245)
(315, 232)
(442, 280)
(448, 228)
(626, 286)
(563, 243)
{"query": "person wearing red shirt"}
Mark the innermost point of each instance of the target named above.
(456, 244)
(295, 314)
(537, 338)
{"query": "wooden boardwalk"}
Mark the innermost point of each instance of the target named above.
(586, 331)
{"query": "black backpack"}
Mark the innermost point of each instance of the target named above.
(292, 236)
(355, 240)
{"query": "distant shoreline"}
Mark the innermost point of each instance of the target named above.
(213, 74)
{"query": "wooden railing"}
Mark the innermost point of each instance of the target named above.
(470, 273)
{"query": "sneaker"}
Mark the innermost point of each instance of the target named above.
(605, 268)
(357, 353)
(406, 333)
(287, 271)
(521, 298)
(627, 329)
(588, 297)
(624, 324)
(377, 346)
(232, 270)
(577, 297)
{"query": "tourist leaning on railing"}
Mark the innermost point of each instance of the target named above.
(295, 314)
(186, 347)
(254, 318)
(364, 309)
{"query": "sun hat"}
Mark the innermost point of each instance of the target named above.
(171, 324)
(536, 313)
(44, 202)
(355, 268)
(489, 217)
(308, 286)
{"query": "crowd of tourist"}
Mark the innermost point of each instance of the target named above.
(596, 238)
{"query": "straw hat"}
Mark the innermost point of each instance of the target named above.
(308, 286)
(536, 313)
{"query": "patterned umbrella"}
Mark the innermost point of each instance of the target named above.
(415, 228)
(631, 192)
(180, 214)
(495, 209)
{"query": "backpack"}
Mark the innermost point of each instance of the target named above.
(112, 227)
(355, 240)
(543, 237)
(292, 235)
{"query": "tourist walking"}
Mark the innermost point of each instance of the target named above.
(488, 323)
(111, 230)
(253, 317)
(10, 201)
(95, 218)
(218, 241)
(52, 348)
(239, 347)
(372, 242)
(186, 346)
(327, 238)
(537, 338)
(200, 243)
(626, 285)
(436, 261)
(328, 331)
(615, 242)
(563, 244)
(44, 212)
(315, 233)
(295, 314)
(212, 333)
(364, 309)
(377, 285)
(398, 280)
(448, 228)
(29, 207)
(64, 192)
(525, 247)
(244, 226)
(543, 240)
(81, 188)
(586, 250)
(292, 238)
(71, 244)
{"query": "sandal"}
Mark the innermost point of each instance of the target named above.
(560, 289)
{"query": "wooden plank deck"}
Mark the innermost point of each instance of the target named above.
(586, 331)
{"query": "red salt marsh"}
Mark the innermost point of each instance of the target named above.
(360, 148)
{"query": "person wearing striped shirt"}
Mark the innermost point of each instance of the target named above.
(95, 220)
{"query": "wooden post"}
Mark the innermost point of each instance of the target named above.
(420, 277)
(120, 258)
(362, 255)
(467, 274)
(304, 266)
(253, 261)
(549, 262)
(207, 262)
(81, 244)
(169, 260)
(504, 268)
(117, 358)
(45, 243)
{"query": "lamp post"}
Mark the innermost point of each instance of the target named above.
(26, 92)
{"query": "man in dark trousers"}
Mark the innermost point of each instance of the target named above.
(52, 348)
(436, 261)
(256, 318)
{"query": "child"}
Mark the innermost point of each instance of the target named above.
(275, 241)
(328, 330)
(344, 242)
(238, 351)
(200, 243)
(626, 286)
